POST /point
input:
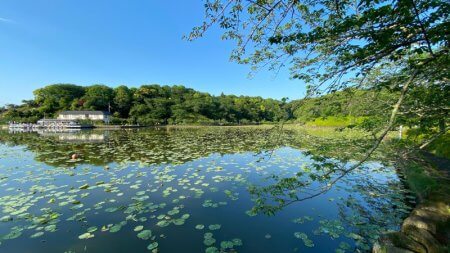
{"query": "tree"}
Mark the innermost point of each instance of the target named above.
(57, 97)
(398, 45)
(327, 43)
(123, 98)
(98, 97)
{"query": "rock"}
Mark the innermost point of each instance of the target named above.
(429, 215)
(437, 207)
(423, 237)
(400, 240)
(388, 248)
(420, 222)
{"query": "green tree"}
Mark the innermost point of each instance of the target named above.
(328, 43)
(98, 97)
(123, 98)
(57, 97)
(401, 46)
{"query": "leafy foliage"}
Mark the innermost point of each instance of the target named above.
(148, 105)
(333, 45)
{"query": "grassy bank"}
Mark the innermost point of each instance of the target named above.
(335, 121)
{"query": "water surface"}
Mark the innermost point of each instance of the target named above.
(189, 190)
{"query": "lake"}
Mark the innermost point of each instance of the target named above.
(206, 189)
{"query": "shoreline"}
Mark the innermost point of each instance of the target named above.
(427, 227)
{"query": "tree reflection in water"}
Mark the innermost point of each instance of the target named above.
(329, 158)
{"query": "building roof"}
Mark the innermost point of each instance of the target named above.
(84, 113)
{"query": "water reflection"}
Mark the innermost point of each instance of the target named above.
(76, 136)
(181, 184)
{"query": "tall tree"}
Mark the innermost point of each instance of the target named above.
(123, 98)
(98, 97)
(332, 45)
(57, 97)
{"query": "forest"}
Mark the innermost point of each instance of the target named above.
(156, 105)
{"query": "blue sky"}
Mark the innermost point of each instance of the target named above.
(120, 42)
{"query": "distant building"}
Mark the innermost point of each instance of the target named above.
(85, 115)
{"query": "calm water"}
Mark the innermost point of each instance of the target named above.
(191, 190)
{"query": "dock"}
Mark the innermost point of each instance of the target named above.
(49, 124)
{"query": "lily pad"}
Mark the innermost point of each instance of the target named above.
(212, 250)
(115, 228)
(92, 229)
(38, 234)
(152, 246)
(214, 227)
(145, 234)
(200, 226)
(209, 241)
(163, 223)
(138, 228)
(178, 222)
(85, 236)
(226, 244)
(12, 235)
(305, 239)
(6, 218)
(84, 187)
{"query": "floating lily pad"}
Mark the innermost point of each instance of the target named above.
(38, 234)
(200, 226)
(83, 187)
(12, 235)
(226, 245)
(214, 227)
(305, 239)
(209, 241)
(139, 193)
(138, 228)
(115, 228)
(163, 223)
(152, 246)
(111, 209)
(178, 222)
(86, 236)
(173, 212)
(237, 242)
(145, 234)
(92, 229)
(6, 218)
(212, 250)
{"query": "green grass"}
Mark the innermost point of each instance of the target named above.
(439, 147)
(329, 132)
(335, 121)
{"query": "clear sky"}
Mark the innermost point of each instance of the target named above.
(121, 42)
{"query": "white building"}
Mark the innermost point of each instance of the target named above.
(85, 115)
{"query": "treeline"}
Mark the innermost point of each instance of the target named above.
(347, 103)
(155, 104)
(147, 105)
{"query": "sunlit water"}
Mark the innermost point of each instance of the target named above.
(180, 191)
